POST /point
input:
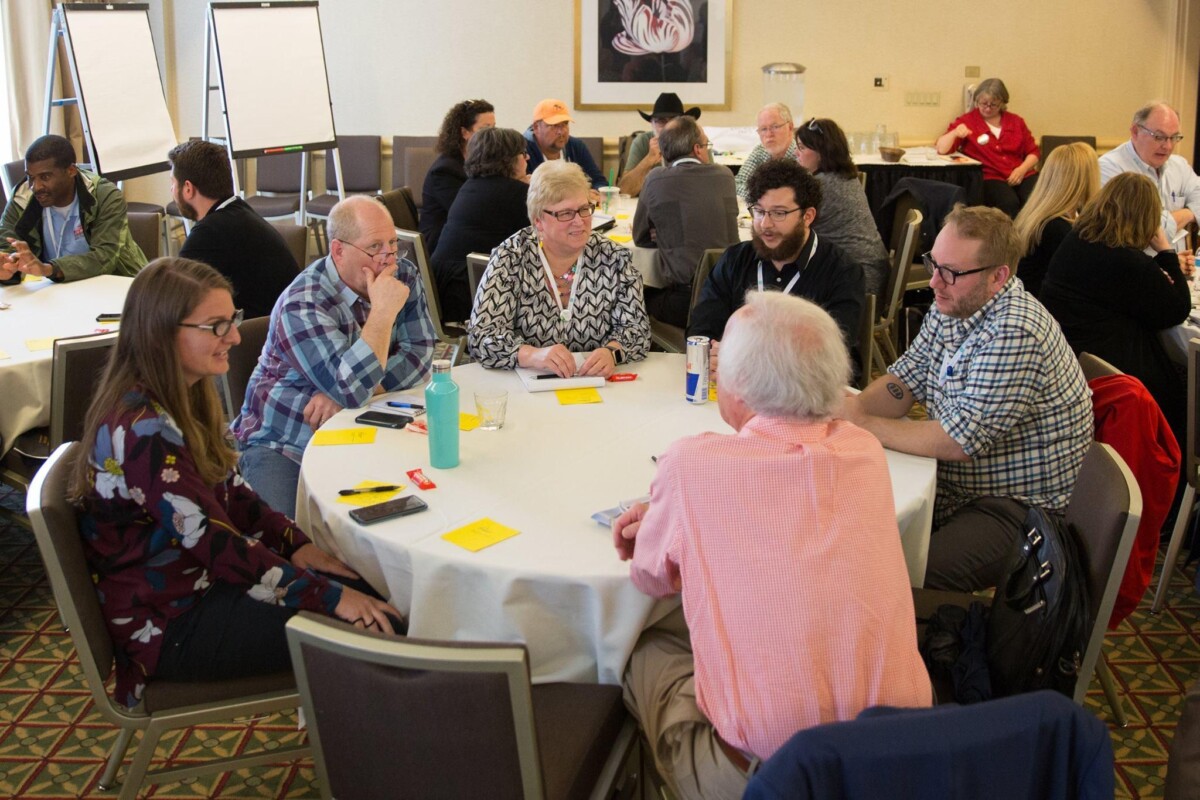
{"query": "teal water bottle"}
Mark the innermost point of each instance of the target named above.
(441, 417)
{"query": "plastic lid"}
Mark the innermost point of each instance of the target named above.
(441, 365)
(783, 68)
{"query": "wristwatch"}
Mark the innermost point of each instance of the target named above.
(618, 353)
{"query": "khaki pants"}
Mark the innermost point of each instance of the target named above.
(660, 692)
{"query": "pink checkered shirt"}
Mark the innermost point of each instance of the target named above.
(783, 540)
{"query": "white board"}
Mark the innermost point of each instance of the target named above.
(120, 88)
(272, 67)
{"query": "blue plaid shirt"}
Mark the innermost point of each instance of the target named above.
(1015, 401)
(315, 345)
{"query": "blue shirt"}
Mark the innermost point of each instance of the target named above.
(63, 235)
(315, 344)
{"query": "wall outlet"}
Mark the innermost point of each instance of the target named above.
(971, 72)
(922, 98)
(881, 83)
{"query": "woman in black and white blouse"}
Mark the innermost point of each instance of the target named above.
(555, 288)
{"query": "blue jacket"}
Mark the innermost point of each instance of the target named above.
(576, 152)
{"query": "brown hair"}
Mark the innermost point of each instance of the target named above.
(1126, 213)
(146, 356)
(826, 139)
(992, 228)
(461, 115)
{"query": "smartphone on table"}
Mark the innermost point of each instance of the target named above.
(383, 419)
(399, 507)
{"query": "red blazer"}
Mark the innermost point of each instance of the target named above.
(999, 155)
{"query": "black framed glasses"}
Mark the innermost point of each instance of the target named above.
(949, 276)
(221, 327)
(776, 214)
(377, 250)
(1162, 138)
(568, 214)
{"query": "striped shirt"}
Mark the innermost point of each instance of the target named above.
(794, 585)
(315, 345)
(1015, 400)
(756, 158)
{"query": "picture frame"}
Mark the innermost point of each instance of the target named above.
(627, 52)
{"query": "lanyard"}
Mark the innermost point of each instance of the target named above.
(685, 160)
(564, 314)
(788, 289)
(56, 237)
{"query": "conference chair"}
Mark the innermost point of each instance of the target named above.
(1183, 762)
(866, 340)
(401, 205)
(166, 705)
(1030, 747)
(460, 719)
(419, 163)
(671, 338)
(1104, 510)
(242, 361)
(359, 156)
(1191, 451)
(1051, 143)
(296, 238)
(412, 247)
(906, 234)
(147, 231)
(13, 175)
(278, 185)
(595, 146)
(476, 265)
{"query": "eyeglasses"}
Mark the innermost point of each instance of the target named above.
(568, 214)
(949, 276)
(221, 327)
(376, 251)
(776, 214)
(765, 129)
(1162, 138)
(988, 103)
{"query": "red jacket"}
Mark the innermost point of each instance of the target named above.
(999, 156)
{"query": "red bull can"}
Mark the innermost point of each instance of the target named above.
(696, 385)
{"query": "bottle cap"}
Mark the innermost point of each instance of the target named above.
(441, 365)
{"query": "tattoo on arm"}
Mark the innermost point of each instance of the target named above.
(895, 391)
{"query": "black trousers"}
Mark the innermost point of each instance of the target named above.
(670, 305)
(1009, 199)
(229, 634)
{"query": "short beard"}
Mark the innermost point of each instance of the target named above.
(787, 249)
(187, 210)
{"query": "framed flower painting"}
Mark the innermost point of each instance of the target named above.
(627, 52)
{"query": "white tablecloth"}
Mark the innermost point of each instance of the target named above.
(558, 586)
(40, 310)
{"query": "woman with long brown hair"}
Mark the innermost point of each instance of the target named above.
(196, 575)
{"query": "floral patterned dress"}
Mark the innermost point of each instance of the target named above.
(157, 536)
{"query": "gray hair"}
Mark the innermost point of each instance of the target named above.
(552, 182)
(784, 356)
(784, 111)
(492, 151)
(678, 139)
(993, 88)
(345, 219)
(1142, 114)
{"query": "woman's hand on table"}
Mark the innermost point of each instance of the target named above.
(309, 556)
(365, 612)
(556, 358)
(625, 528)
(962, 131)
(600, 361)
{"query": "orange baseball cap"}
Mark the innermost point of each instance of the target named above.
(551, 112)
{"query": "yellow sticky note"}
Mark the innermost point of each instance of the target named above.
(712, 391)
(370, 498)
(34, 345)
(575, 397)
(345, 436)
(479, 534)
(467, 422)
(622, 216)
(620, 237)
(4, 355)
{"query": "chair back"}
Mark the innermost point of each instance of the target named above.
(296, 238)
(708, 260)
(399, 145)
(476, 265)
(146, 230)
(906, 237)
(55, 525)
(595, 146)
(672, 338)
(13, 176)
(242, 361)
(866, 340)
(1105, 509)
(280, 173)
(412, 247)
(78, 362)
(360, 165)
(1095, 367)
(417, 161)
(1051, 143)
(1191, 448)
(458, 716)
(400, 204)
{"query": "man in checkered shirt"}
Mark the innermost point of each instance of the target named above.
(1010, 415)
(353, 324)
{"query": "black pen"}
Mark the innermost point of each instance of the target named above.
(369, 490)
(551, 375)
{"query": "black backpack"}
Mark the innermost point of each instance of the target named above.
(1041, 616)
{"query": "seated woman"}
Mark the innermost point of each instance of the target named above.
(999, 140)
(446, 176)
(843, 216)
(1112, 299)
(1070, 178)
(197, 577)
(555, 288)
(489, 208)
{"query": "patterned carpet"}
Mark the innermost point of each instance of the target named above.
(53, 743)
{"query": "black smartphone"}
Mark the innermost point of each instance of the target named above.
(399, 507)
(383, 419)
(115, 317)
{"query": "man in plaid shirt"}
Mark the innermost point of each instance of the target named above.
(1010, 415)
(353, 324)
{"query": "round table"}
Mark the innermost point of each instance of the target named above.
(40, 311)
(558, 586)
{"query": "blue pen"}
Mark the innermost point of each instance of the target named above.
(394, 404)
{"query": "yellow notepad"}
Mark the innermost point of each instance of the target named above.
(34, 345)
(4, 355)
(479, 534)
(370, 498)
(574, 397)
(345, 436)
(467, 422)
(620, 237)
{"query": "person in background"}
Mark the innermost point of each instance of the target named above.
(1000, 140)
(644, 152)
(446, 174)
(843, 216)
(775, 131)
(489, 208)
(197, 576)
(1069, 179)
(549, 138)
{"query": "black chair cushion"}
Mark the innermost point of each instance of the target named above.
(279, 206)
(165, 695)
(577, 724)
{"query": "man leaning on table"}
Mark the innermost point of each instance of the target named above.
(77, 228)
(1009, 413)
(756, 654)
(353, 324)
(644, 152)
